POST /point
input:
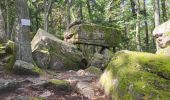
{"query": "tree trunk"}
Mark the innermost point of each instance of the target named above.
(22, 41)
(47, 9)
(157, 12)
(80, 12)
(89, 10)
(164, 13)
(157, 16)
(146, 27)
(68, 6)
(133, 7)
(138, 43)
(7, 19)
(125, 26)
(2, 28)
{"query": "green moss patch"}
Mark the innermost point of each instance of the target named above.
(93, 70)
(137, 75)
(58, 85)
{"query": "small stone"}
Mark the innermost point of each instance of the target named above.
(85, 89)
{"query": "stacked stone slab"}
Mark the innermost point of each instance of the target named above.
(91, 38)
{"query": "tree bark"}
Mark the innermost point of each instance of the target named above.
(164, 12)
(22, 41)
(2, 28)
(80, 12)
(68, 6)
(7, 19)
(146, 27)
(89, 10)
(125, 25)
(157, 12)
(138, 42)
(157, 16)
(47, 9)
(133, 7)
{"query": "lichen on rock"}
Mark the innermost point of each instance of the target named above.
(135, 75)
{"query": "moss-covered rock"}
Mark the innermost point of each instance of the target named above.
(94, 35)
(59, 55)
(101, 60)
(22, 67)
(135, 75)
(58, 85)
(93, 70)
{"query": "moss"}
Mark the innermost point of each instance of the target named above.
(112, 35)
(10, 62)
(58, 85)
(10, 49)
(164, 51)
(167, 33)
(37, 70)
(93, 70)
(137, 76)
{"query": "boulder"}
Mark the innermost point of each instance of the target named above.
(162, 35)
(137, 76)
(93, 71)
(22, 67)
(57, 54)
(92, 34)
(53, 84)
(89, 50)
(7, 85)
(42, 58)
(85, 89)
(101, 60)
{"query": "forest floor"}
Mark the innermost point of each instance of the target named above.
(25, 91)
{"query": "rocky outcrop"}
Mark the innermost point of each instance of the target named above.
(93, 35)
(101, 60)
(91, 38)
(7, 85)
(162, 35)
(51, 52)
(137, 76)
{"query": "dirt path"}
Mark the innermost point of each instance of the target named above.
(24, 91)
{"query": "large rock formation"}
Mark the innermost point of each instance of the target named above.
(162, 34)
(91, 38)
(137, 76)
(93, 35)
(51, 52)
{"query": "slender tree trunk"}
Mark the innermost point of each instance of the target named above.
(7, 19)
(47, 9)
(125, 26)
(133, 7)
(138, 42)
(157, 13)
(89, 9)
(22, 41)
(68, 6)
(36, 15)
(146, 27)
(80, 12)
(164, 12)
(2, 28)
(157, 16)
